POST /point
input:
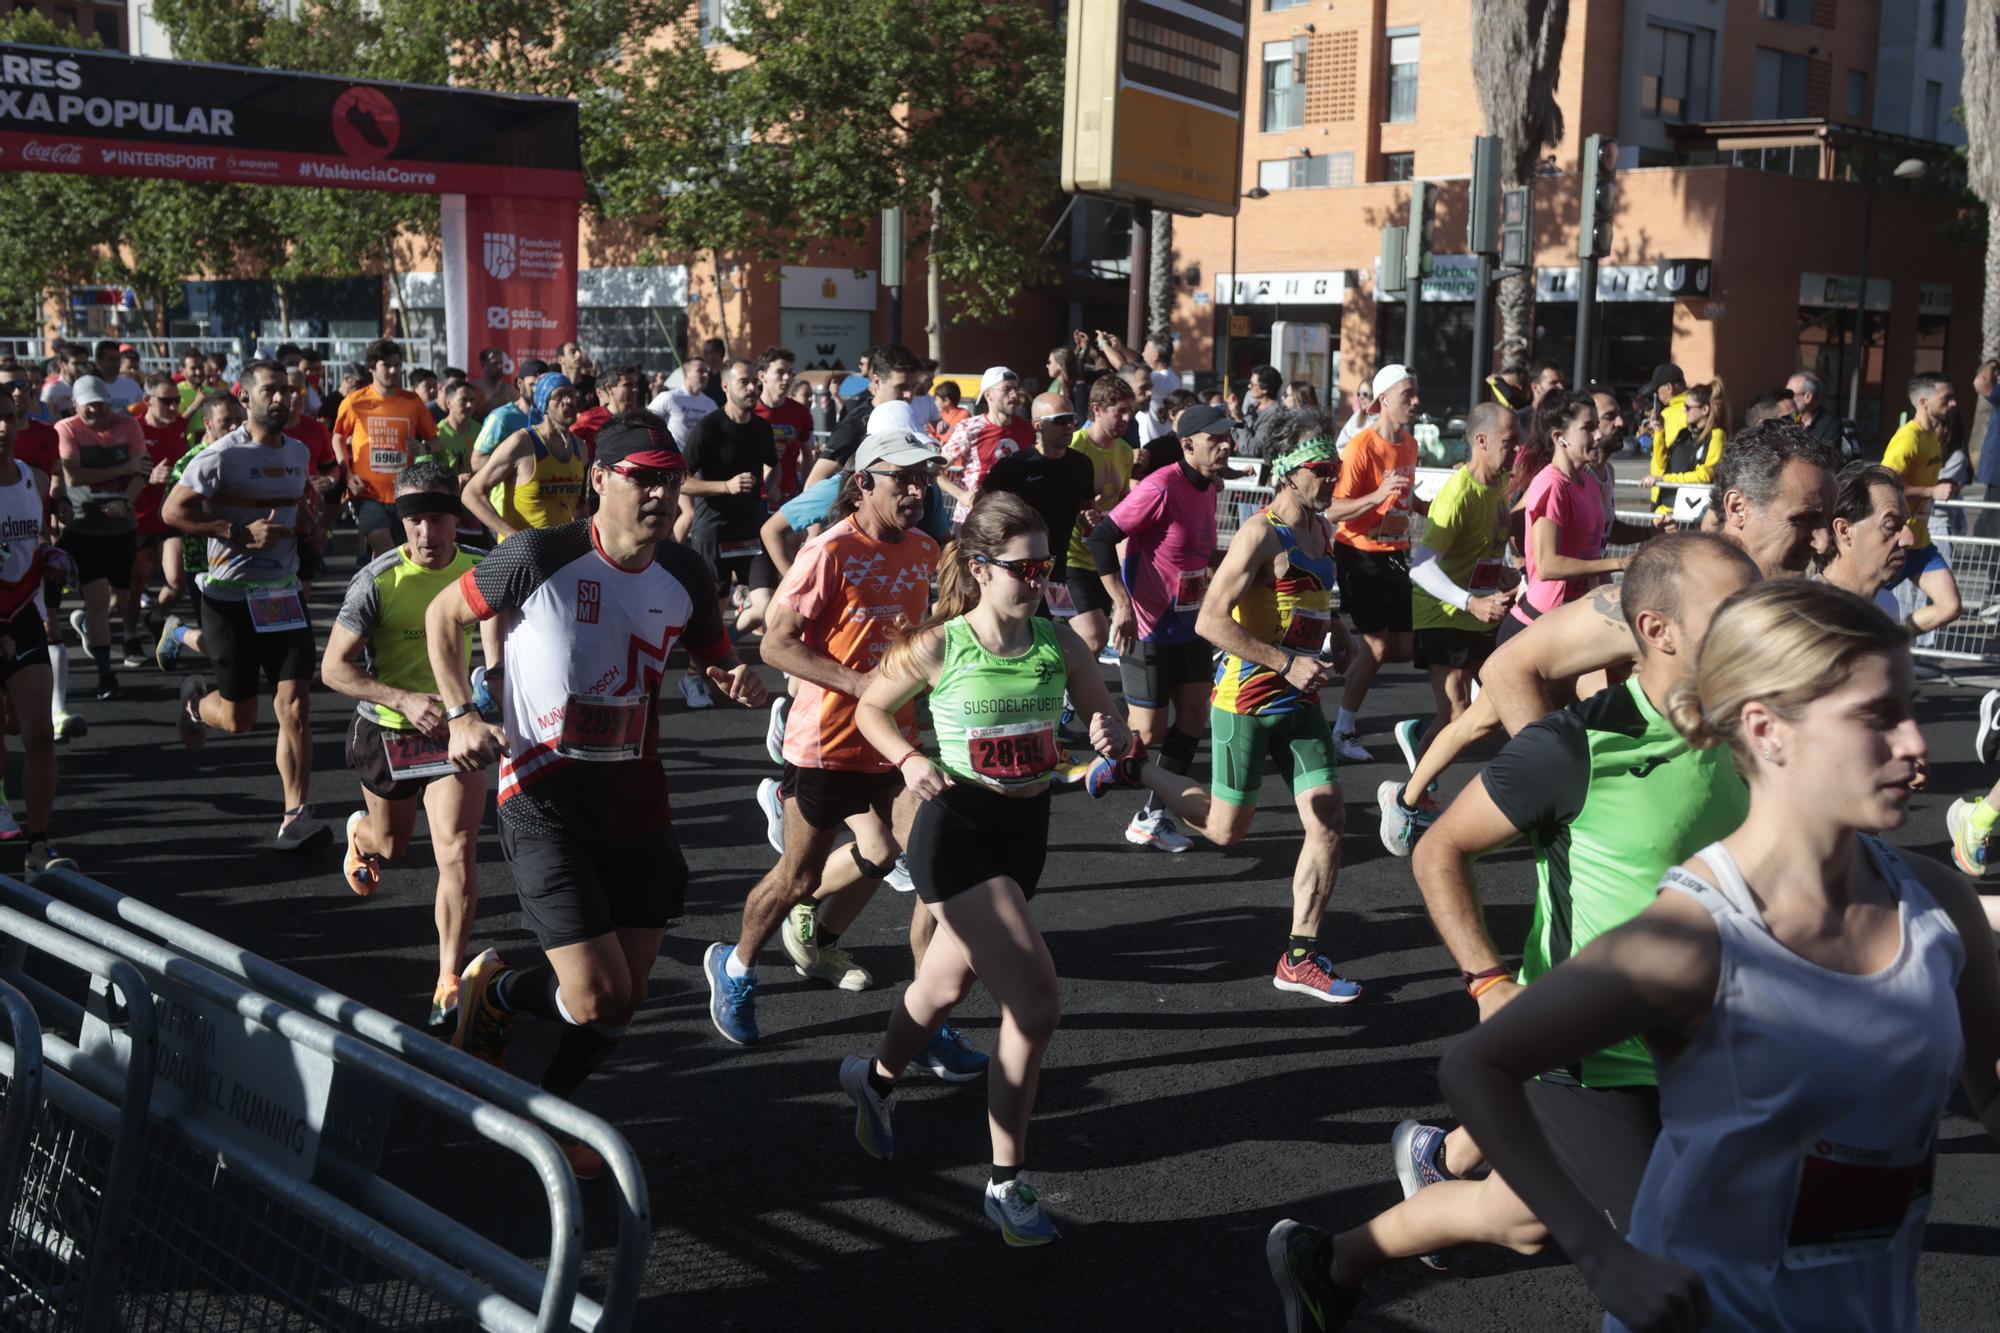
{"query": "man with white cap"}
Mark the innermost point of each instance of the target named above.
(1372, 549)
(984, 438)
(102, 457)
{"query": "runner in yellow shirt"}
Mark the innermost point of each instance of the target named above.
(1915, 454)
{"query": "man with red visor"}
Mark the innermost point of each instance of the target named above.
(590, 612)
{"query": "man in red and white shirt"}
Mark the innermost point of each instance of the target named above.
(978, 442)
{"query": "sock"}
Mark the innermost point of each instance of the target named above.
(1347, 723)
(1000, 1175)
(529, 990)
(1302, 946)
(880, 1086)
(1981, 817)
(579, 1053)
(1403, 802)
(181, 633)
(59, 685)
(102, 657)
(1437, 1160)
(825, 938)
(736, 970)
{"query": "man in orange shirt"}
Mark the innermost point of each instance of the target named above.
(375, 436)
(1371, 552)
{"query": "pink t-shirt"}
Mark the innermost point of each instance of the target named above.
(1576, 506)
(1169, 526)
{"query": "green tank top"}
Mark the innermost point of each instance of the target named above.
(995, 717)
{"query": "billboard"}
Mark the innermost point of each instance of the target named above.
(509, 276)
(1153, 102)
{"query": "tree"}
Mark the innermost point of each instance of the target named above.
(1981, 87)
(1160, 279)
(1516, 62)
(945, 108)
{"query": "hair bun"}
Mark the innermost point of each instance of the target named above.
(1684, 711)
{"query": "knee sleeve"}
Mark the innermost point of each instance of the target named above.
(1176, 754)
(872, 869)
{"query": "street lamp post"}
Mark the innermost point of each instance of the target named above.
(1229, 317)
(1909, 169)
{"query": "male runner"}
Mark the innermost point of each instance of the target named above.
(26, 559)
(1774, 495)
(682, 409)
(1872, 536)
(850, 591)
(1168, 526)
(398, 743)
(158, 413)
(517, 413)
(1102, 442)
(791, 423)
(592, 611)
(1372, 549)
(978, 442)
(104, 467)
(1915, 454)
(1269, 610)
(183, 563)
(618, 394)
(249, 494)
(893, 373)
(1057, 481)
(732, 458)
(1610, 796)
(537, 473)
(379, 429)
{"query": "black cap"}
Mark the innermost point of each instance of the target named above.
(534, 365)
(640, 438)
(1664, 373)
(1202, 419)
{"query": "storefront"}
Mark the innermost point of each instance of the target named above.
(827, 315)
(1827, 344)
(1287, 320)
(1633, 328)
(632, 315)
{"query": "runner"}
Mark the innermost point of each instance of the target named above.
(996, 673)
(398, 742)
(1774, 966)
(791, 423)
(104, 467)
(592, 611)
(1563, 516)
(1871, 532)
(1167, 524)
(379, 429)
(1609, 795)
(1372, 550)
(1268, 611)
(1102, 442)
(975, 444)
(502, 419)
(682, 409)
(837, 612)
(1916, 455)
(248, 493)
(621, 393)
(26, 559)
(166, 444)
(535, 477)
(183, 563)
(732, 459)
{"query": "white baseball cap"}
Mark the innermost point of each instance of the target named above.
(994, 377)
(893, 415)
(896, 448)
(1387, 378)
(90, 389)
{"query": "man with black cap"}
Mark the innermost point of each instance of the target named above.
(1667, 388)
(397, 742)
(1167, 523)
(592, 610)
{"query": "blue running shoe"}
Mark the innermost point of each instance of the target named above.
(1419, 1153)
(1017, 1211)
(732, 1002)
(950, 1057)
(871, 1113)
(482, 696)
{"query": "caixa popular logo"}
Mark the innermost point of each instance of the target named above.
(501, 253)
(53, 154)
(498, 317)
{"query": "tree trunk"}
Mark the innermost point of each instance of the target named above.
(1516, 300)
(284, 307)
(934, 280)
(1160, 280)
(1989, 310)
(721, 300)
(396, 294)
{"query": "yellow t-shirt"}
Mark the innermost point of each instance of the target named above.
(1916, 454)
(1111, 467)
(1466, 529)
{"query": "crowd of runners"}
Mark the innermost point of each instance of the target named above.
(1704, 742)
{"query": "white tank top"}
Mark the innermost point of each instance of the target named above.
(20, 541)
(1799, 1127)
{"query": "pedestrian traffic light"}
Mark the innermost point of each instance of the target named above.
(1417, 251)
(1392, 277)
(1517, 221)
(1482, 219)
(1600, 176)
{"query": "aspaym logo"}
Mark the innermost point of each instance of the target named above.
(365, 123)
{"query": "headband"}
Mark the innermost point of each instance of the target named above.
(1318, 449)
(417, 504)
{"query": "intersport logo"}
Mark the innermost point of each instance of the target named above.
(56, 154)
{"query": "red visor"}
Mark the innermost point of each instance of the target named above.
(669, 460)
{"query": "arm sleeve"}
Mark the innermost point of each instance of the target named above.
(361, 609)
(703, 637)
(1103, 545)
(1540, 778)
(1427, 572)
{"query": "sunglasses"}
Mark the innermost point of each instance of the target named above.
(650, 478)
(1324, 471)
(1057, 418)
(167, 399)
(906, 477)
(1032, 570)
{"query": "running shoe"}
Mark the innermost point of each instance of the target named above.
(1071, 770)
(167, 651)
(363, 870)
(872, 1129)
(1968, 851)
(69, 726)
(444, 1005)
(774, 735)
(483, 1026)
(773, 806)
(193, 730)
(1408, 732)
(1314, 975)
(298, 831)
(79, 625)
(1987, 747)
(732, 1001)
(1402, 826)
(1314, 1302)
(9, 830)
(1106, 775)
(1066, 724)
(1348, 745)
(898, 877)
(1017, 1211)
(482, 691)
(797, 931)
(950, 1057)
(1418, 1150)
(1107, 656)
(1156, 829)
(107, 690)
(694, 692)
(146, 602)
(837, 968)
(41, 856)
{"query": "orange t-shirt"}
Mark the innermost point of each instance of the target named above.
(380, 431)
(853, 592)
(1368, 459)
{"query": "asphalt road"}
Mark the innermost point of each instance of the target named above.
(1186, 1104)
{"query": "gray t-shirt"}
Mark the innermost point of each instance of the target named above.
(256, 479)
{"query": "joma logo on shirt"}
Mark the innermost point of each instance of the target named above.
(589, 596)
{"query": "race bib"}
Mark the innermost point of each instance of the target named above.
(1486, 576)
(1189, 588)
(1017, 752)
(273, 610)
(1852, 1203)
(602, 729)
(1057, 596)
(414, 755)
(1308, 630)
(385, 458)
(744, 550)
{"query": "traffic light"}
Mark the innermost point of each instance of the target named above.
(1417, 251)
(1393, 276)
(1600, 177)
(1482, 219)
(1517, 223)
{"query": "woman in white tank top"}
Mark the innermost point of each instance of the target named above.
(1811, 997)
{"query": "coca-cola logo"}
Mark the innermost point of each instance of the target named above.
(57, 154)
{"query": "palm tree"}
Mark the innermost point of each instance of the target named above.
(1160, 279)
(1980, 88)
(1516, 60)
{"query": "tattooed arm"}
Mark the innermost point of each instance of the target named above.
(1570, 641)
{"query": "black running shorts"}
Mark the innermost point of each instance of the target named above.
(102, 556)
(1458, 649)
(1603, 1137)
(1374, 588)
(31, 643)
(828, 797)
(241, 656)
(577, 889)
(969, 835)
(1151, 672)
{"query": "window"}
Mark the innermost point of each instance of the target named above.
(1937, 17)
(1857, 94)
(1272, 6)
(1780, 91)
(1306, 173)
(1933, 100)
(1399, 166)
(1674, 73)
(1402, 77)
(1790, 11)
(1284, 85)
(715, 24)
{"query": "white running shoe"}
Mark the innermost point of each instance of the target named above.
(774, 734)
(898, 877)
(694, 692)
(79, 625)
(1989, 727)
(1019, 1214)
(1156, 829)
(1348, 746)
(300, 832)
(1408, 732)
(773, 806)
(193, 730)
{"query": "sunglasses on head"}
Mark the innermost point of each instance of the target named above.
(1327, 471)
(1031, 570)
(1057, 418)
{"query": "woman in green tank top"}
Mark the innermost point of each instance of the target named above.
(996, 673)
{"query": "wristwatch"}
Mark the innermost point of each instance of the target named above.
(454, 714)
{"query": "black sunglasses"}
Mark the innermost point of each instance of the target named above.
(1032, 570)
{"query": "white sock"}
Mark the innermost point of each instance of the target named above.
(563, 1009)
(59, 686)
(736, 970)
(1347, 722)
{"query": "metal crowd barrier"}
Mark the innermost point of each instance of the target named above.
(258, 1199)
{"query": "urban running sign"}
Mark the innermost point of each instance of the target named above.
(95, 113)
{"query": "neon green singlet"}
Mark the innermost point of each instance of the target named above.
(995, 717)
